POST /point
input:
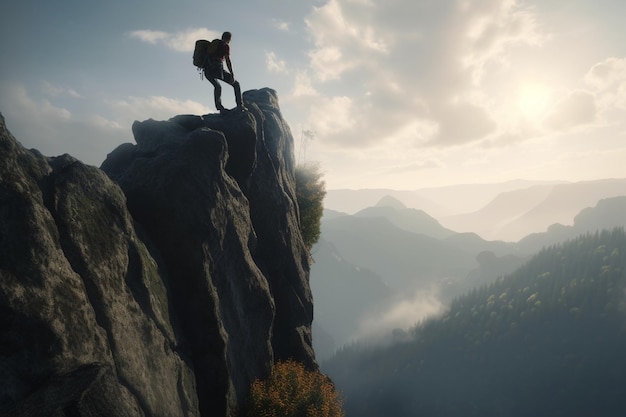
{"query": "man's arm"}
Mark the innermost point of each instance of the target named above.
(230, 66)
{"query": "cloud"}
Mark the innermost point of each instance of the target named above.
(328, 63)
(183, 41)
(415, 132)
(405, 64)
(38, 123)
(461, 123)
(281, 25)
(333, 115)
(576, 109)
(344, 36)
(402, 314)
(607, 74)
(155, 107)
(303, 86)
(56, 91)
(102, 122)
(150, 36)
(273, 64)
(416, 166)
(19, 98)
(609, 79)
(492, 26)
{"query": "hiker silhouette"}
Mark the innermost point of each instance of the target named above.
(214, 71)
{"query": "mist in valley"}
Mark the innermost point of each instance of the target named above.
(512, 308)
(389, 264)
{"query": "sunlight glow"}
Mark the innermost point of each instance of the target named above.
(532, 101)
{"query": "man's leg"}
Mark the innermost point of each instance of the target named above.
(238, 99)
(228, 78)
(217, 90)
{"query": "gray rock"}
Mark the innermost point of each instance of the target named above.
(71, 272)
(163, 283)
(90, 390)
(281, 254)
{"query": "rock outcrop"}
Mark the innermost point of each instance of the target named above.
(161, 284)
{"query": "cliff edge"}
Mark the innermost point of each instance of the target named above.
(161, 284)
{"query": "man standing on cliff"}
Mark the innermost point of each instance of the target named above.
(214, 71)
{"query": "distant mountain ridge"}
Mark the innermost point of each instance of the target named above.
(507, 211)
(437, 201)
(563, 203)
(409, 219)
(607, 214)
(410, 251)
(499, 212)
(411, 259)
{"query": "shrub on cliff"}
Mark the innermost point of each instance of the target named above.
(310, 191)
(292, 391)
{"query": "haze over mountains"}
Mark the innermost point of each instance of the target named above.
(545, 340)
(389, 265)
(437, 201)
(504, 211)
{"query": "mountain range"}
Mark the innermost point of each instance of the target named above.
(515, 214)
(504, 211)
(545, 340)
(368, 263)
(437, 201)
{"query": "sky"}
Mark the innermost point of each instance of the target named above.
(399, 94)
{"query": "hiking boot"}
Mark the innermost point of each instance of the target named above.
(242, 108)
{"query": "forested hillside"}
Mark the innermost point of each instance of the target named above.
(547, 340)
(406, 251)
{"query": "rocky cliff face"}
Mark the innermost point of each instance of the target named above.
(161, 284)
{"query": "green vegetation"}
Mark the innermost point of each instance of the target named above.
(546, 340)
(310, 191)
(292, 391)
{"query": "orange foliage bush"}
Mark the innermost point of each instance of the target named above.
(292, 391)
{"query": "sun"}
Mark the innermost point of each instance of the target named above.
(532, 101)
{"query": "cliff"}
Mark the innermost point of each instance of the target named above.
(161, 284)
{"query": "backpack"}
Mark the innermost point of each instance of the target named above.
(203, 51)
